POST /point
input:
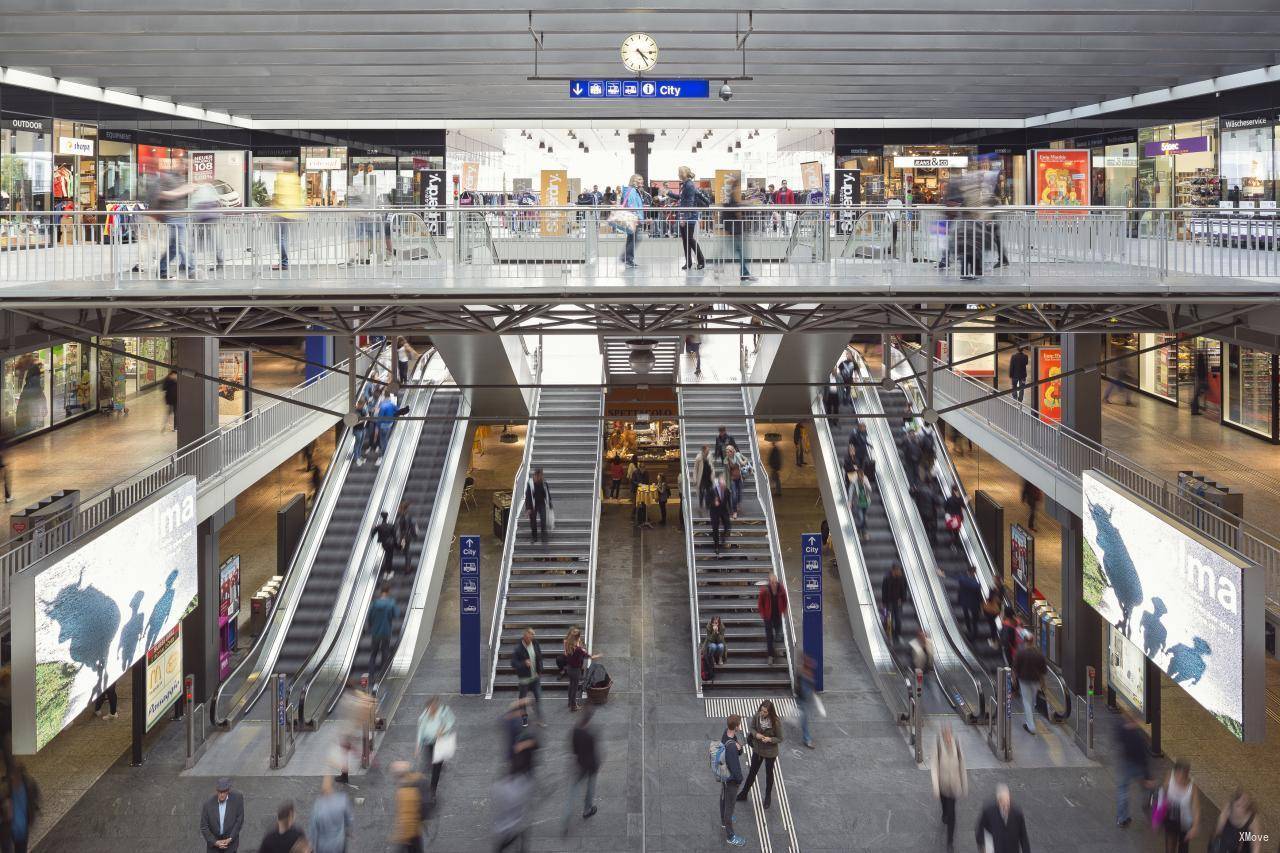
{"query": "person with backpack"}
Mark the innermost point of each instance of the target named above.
(726, 765)
(412, 807)
(587, 759)
(385, 532)
(690, 198)
(950, 779)
(953, 509)
(765, 734)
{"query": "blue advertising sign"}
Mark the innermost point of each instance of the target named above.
(639, 89)
(469, 612)
(811, 586)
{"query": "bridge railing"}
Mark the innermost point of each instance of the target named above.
(416, 245)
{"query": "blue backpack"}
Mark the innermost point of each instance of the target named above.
(719, 766)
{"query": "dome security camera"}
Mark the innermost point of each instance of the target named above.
(641, 360)
(725, 92)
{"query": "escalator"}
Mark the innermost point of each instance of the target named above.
(319, 576)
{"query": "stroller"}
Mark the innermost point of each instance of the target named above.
(598, 684)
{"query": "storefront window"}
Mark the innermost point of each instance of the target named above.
(154, 160)
(26, 174)
(378, 173)
(419, 166)
(1124, 369)
(266, 168)
(1250, 389)
(324, 176)
(1178, 165)
(231, 399)
(870, 165)
(1207, 380)
(1120, 164)
(121, 377)
(75, 166)
(73, 387)
(1158, 368)
(1248, 170)
(918, 174)
(117, 171)
(25, 405)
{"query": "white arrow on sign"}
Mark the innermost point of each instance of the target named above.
(577, 89)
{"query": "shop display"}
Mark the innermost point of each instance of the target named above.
(1250, 390)
(26, 394)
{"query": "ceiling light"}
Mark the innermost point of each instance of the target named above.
(541, 145)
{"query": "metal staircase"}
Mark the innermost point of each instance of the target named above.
(550, 586)
(727, 584)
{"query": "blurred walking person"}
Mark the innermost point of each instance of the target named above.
(893, 592)
(800, 436)
(511, 798)
(23, 804)
(632, 202)
(1179, 799)
(735, 223)
(703, 471)
(587, 760)
(1001, 826)
(1030, 667)
(412, 806)
(436, 740)
(1031, 495)
(950, 779)
(331, 819)
(806, 698)
(382, 616)
(286, 198)
(282, 838)
(1135, 764)
(406, 531)
(170, 390)
(1236, 832)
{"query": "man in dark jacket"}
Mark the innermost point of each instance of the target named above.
(1018, 373)
(537, 501)
(1003, 822)
(775, 468)
(723, 440)
(1029, 666)
(718, 508)
(969, 598)
(729, 789)
(526, 659)
(799, 438)
(221, 819)
(861, 444)
(893, 591)
(385, 532)
(170, 386)
(587, 757)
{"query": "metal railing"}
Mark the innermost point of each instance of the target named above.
(513, 522)
(597, 500)
(687, 487)
(411, 246)
(209, 459)
(1069, 454)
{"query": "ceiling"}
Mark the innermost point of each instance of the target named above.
(350, 60)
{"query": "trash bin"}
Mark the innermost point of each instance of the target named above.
(501, 513)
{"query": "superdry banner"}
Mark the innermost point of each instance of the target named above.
(848, 192)
(434, 198)
(1049, 394)
(1061, 177)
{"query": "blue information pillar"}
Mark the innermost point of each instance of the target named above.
(469, 612)
(811, 586)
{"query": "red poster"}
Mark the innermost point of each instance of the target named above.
(1049, 394)
(1062, 178)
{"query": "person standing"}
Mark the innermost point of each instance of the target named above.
(382, 614)
(406, 531)
(765, 732)
(1181, 799)
(575, 663)
(1031, 499)
(1135, 764)
(385, 532)
(732, 779)
(632, 201)
(537, 500)
(405, 356)
(859, 495)
(587, 760)
(953, 509)
(282, 838)
(222, 818)
(734, 463)
(1018, 364)
(775, 468)
(435, 741)
(893, 592)
(702, 474)
(388, 409)
(358, 433)
(800, 435)
(662, 495)
(526, 658)
(170, 390)
(861, 445)
(950, 779)
(805, 698)
(688, 200)
(771, 604)
(734, 222)
(719, 501)
(1001, 827)
(969, 597)
(1029, 666)
(23, 802)
(331, 819)
(616, 473)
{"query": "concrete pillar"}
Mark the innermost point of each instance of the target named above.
(1082, 412)
(197, 398)
(640, 142)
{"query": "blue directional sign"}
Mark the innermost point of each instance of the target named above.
(639, 89)
(811, 586)
(469, 612)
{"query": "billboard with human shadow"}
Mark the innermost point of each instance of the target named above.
(1193, 607)
(87, 612)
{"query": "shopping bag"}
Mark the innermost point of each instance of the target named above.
(819, 706)
(623, 220)
(446, 746)
(551, 519)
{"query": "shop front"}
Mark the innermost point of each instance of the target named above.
(117, 167)
(1249, 391)
(1150, 371)
(324, 176)
(1178, 165)
(1250, 153)
(123, 377)
(26, 179)
(918, 174)
(267, 164)
(74, 183)
(45, 387)
(868, 162)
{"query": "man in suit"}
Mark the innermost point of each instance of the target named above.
(719, 508)
(222, 818)
(1002, 822)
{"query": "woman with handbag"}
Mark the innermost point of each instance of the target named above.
(1177, 809)
(765, 734)
(436, 739)
(688, 199)
(575, 663)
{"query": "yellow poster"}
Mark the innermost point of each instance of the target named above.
(555, 193)
(811, 175)
(470, 176)
(723, 177)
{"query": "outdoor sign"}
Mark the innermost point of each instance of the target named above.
(322, 164)
(848, 198)
(1194, 608)
(1191, 145)
(1022, 566)
(203, 167)
(927, 161)
(811, 175)
(555, 193)
(469, 612)
(164, 675)
(1061, 177)
(71, 146)
(639, 89)
(1049, 394)
(811, 595)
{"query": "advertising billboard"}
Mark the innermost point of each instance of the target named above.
(974, 353)
(555, 193)
(848, 198)
(1061, 177)
(1049, 394)
(229, 587)
(1126, 671)
(1022, 566)
(86, 613)
(164, 675)
(1193, 608)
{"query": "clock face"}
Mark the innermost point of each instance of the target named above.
(639, 52)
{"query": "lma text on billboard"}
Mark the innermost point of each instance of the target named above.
(1193, 607)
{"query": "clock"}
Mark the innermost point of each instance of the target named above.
(639, 52)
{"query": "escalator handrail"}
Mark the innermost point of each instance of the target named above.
(764, 493)
(342, 634)
(686, 508)
(915, 555)
(513, 522)
(593, 557)
(863, 593)
(281, 614)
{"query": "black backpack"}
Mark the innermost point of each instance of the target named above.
(701, 198)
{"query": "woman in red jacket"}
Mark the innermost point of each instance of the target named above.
(772, 605)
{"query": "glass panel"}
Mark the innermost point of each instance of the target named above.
(1249, 389)
(1248, 173)
(25, 407)
(117, 171)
